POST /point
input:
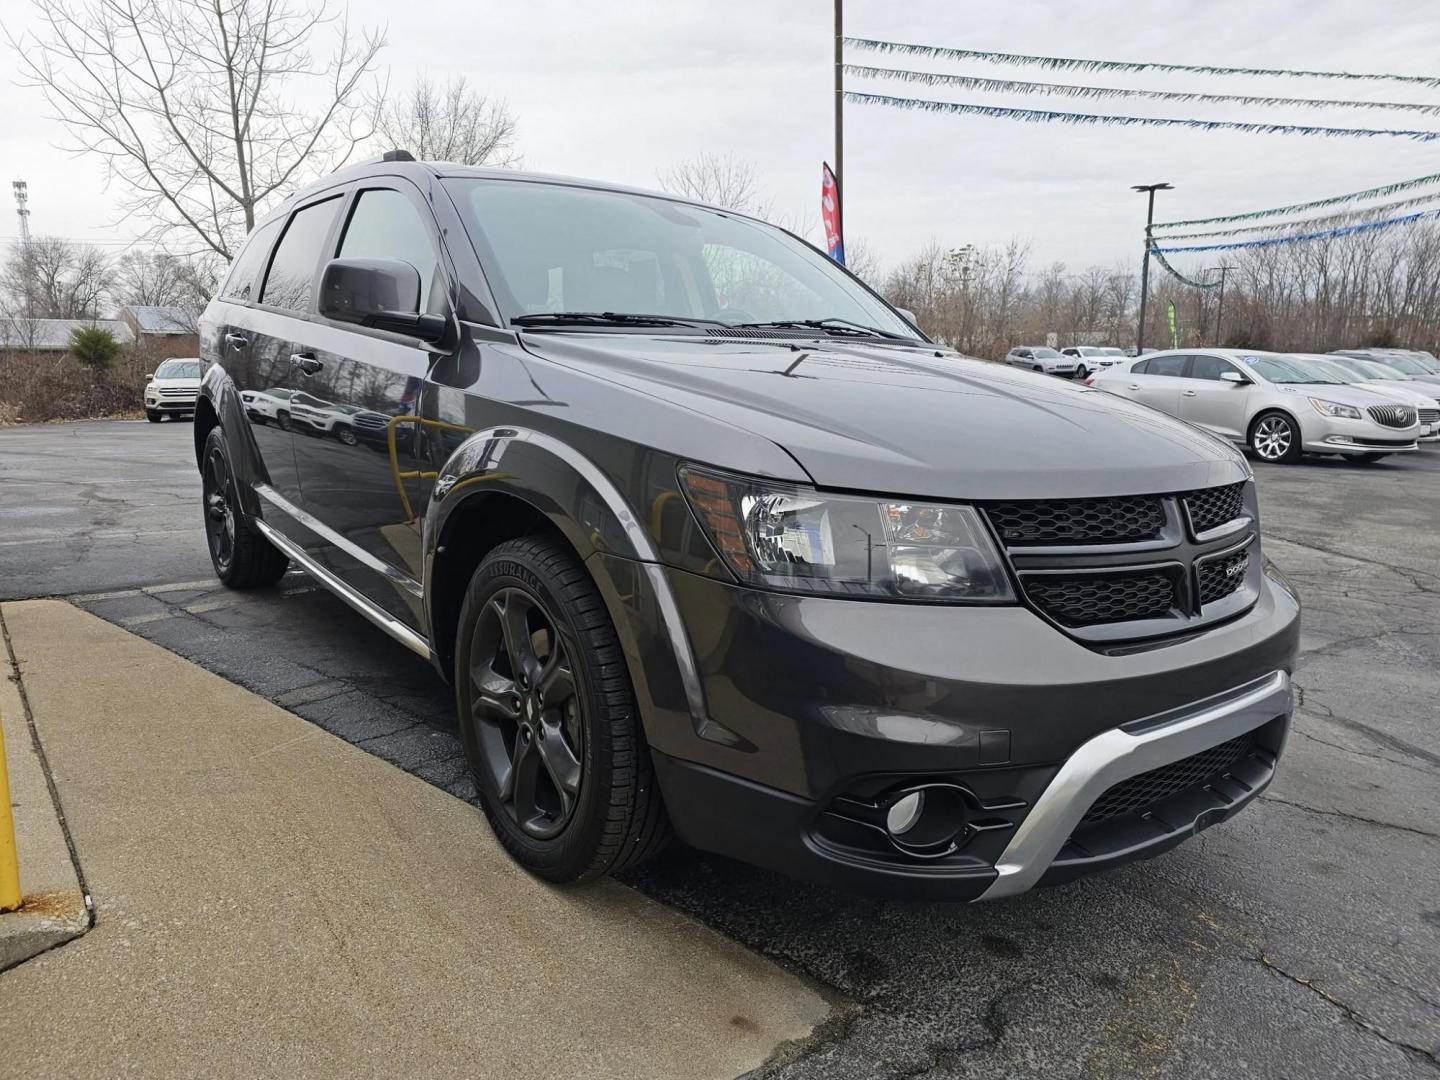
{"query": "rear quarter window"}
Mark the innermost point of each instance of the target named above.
(243, 281)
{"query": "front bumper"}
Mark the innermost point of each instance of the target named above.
(1337, 435)
(835, 705)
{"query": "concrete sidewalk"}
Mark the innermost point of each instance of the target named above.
(272, 901)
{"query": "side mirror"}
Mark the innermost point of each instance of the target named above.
(908, 315)
(1234, 377)
(379, 293)
(150, 377)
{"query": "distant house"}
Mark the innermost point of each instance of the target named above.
(148, 321)
(53, 335)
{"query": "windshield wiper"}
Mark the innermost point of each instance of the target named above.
(600, 318)
(832, 324)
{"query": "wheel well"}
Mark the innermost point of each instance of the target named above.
(471, 531)
(1274, 410)
(205, 421)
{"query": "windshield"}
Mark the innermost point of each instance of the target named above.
(1043, 353)
(178, 369)
(1333, 370)
(1374, 369)
(1276, 369)
(557, 248)
(1408, 364)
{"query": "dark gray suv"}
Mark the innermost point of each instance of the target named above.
(709, 538)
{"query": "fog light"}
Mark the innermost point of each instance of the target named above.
(904, 813)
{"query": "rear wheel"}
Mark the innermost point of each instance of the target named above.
(1275, 438)
(548, 718)
(242, 557)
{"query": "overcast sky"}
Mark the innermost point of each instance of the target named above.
(624, 89)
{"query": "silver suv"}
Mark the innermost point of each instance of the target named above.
(1041, 358)
(1278, 405)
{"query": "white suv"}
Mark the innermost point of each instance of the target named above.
(1091, 358)
(171, 389)
(1041, 358)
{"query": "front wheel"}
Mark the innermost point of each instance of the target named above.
(282, 420)
(1082, 372)
(346, 435)
(548, 718)
(153, 416)
(242, 557)
(1275, 438)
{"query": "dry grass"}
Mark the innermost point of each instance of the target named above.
(40, 387)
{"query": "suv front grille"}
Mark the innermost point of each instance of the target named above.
(1151, 787)
(1102, 598)
(1078, 521)
(1394, 416)
(1215, 506)
(1221, 577)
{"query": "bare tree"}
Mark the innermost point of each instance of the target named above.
(192, 103)
(453, 122)
(159, 279)
(720, 180)
(51, 278)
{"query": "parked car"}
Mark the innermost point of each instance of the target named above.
(1270, 402)
(1041, 358)
(1090, 358)
(1420, 366)
(1382, 380)
(759, 564)
(170, 389)
(268, 406)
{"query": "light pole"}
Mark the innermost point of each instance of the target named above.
(1150, 189)
(1220, 307)
(839, 102)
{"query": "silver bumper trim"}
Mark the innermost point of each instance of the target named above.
(1116, 755)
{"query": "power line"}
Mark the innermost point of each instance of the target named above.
(1015, 86)
(1062, 63)
(1043, 116)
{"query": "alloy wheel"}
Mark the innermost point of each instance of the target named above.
(219, 500)
(527, 712)
(1272, 438)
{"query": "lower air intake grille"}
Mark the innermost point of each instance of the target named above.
(1221, 577)
(1430, 416)
(1150, 787)
(1102, 598)
(1215, 506)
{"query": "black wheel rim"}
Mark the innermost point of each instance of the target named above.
(219, 508)
(526, 712)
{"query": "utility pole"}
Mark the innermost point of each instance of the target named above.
(1150, 189)
(1220, 308)
(839, 169)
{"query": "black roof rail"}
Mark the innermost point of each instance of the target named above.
(397, 155)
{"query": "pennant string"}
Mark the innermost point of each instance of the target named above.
(1313, 204)
(1324, 234)
(1042, 116)
(1015, 86)
(1062, 63)
(1159, 258)
(1359, 214)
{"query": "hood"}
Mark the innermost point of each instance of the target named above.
(1412, 393)
(191, 383)
(920, 422)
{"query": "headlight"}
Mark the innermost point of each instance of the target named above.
(780, 536)
(1334, 408)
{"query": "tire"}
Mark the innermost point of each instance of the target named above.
(1275, 438)
(346, 434)
(153, 416)
(282, 420)
(567, 785)
(1082, 372)
(242, 557)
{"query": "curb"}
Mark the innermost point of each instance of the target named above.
(55, 908)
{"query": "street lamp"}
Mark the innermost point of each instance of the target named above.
(1145, 266)
(1220, 309)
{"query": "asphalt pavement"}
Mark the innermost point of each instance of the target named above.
(1301, 939)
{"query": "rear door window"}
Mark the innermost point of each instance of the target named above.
(291, 280)
(1173, 366)
(244, 277)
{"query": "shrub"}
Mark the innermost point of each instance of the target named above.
(95, 347)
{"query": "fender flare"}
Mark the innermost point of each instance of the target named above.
(585, 505)
(219, 390)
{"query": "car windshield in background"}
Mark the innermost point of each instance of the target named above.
(563, 250)
(1277, 370)
(178, 369)
(1045, 354)
(1410, 365)
(1374, 369)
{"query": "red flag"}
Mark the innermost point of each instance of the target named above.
(830, 215)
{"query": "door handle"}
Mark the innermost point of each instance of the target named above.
(236, 341)
(306, 362)
(1132, 386)
(1187, 393)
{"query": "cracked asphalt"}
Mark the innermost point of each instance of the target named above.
(1301, 939)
